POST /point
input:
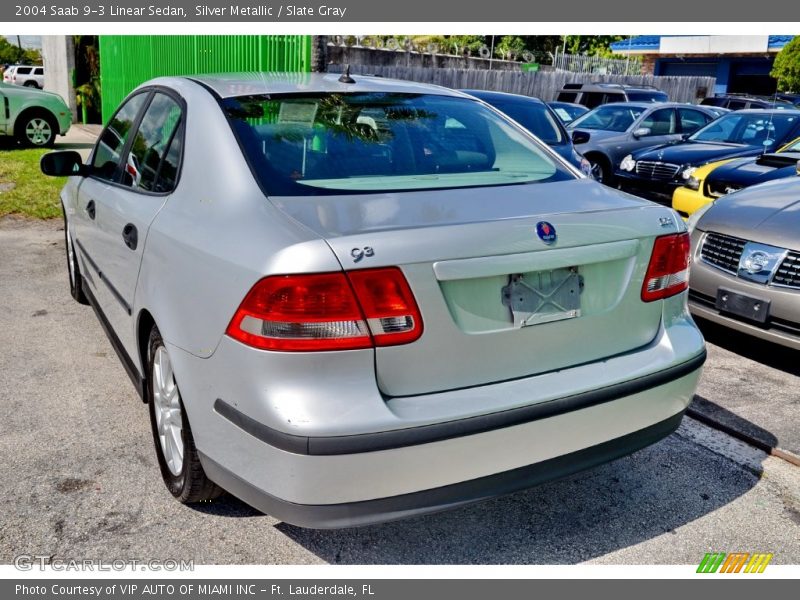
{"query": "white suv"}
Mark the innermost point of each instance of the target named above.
(25, 75)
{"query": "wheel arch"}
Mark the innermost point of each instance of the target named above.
(144, 326)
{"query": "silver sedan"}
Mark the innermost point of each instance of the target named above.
(349, 301)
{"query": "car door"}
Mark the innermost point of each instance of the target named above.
(126, 203)
(662, 126)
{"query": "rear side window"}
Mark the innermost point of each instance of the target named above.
(692, 120)
(108, 151)
(737, 104)
(567, 97)
(23, 70)
(151, 144)
(592, 99)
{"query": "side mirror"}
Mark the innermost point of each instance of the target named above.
(797, 168)
(580, 137)
(62, 163)
(642, 132)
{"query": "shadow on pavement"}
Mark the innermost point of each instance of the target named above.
(761, 351)
(736, 424)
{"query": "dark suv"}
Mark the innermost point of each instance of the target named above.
(742, 101)
(595, 94)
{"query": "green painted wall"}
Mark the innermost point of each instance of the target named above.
(128, 60)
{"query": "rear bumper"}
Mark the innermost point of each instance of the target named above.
(360, 488)
(352, 514)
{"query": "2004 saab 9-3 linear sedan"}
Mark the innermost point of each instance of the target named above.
(348, 302)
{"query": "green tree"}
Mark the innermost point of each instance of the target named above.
(510, 47)
(9, 53)
(786, 68)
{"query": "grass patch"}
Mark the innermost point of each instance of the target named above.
(23, 188)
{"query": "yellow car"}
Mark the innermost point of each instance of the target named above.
(687, 199)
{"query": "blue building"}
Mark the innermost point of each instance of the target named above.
(740, 63)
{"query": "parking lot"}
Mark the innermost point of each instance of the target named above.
(80, 479)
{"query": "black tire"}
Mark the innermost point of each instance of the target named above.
(32, 84)
(191, 485)
(601, 169)
(26, 119)
(74, 276)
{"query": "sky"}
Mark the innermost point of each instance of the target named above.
(28, 41)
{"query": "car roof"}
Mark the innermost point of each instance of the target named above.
(227, 85)
(621, 87)
(491, 95)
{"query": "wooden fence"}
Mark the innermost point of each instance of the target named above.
(541, 84)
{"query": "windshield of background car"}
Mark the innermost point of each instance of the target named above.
(535, 118)
(647, 97)
(608, 118)
(308, 144)
(751, 129)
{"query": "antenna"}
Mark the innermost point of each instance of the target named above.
(345, 78)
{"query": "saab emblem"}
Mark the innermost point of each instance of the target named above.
(546, 232)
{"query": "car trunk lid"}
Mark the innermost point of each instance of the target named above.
(497, 302)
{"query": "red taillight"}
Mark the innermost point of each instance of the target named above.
(668, 271)
(388, 305)
(326, 311)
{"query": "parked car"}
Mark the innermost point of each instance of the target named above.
(724, 177)
(656, 172)
(539, 119)
(611, 131)
(33, 117)
(743, 101)
(362, 299)
(746, 262)
(595, 94)
(789, 97)
(567, 111)
(25, 75)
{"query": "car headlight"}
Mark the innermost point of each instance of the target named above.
(693, 183)
(688, 172)
(695, 217)
(628, 164)
(586, 167)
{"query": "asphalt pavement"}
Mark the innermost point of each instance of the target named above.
(80, 479)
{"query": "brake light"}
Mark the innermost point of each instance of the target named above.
(668, 271)
(388, 304)
(328, 311)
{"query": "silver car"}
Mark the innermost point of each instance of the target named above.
(350, 301)
(746, 254)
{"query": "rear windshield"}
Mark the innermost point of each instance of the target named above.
(310, 144)
(654, 96)
(608, 118)
(534, 117)
(751, 129)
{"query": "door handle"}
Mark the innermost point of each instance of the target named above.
(90, 209)
(130, 236)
